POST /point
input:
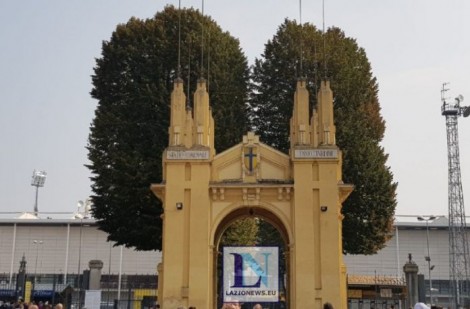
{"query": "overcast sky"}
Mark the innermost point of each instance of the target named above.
(48, 50)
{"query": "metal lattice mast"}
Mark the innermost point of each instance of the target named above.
(458, 246)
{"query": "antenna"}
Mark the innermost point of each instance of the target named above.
(188, 100)
(458, 244)
(179, 40)
(208, 58)
(315, 72)
(202, 40)
(301, 39)
(324, 37)
(466, 112)
(443, 92)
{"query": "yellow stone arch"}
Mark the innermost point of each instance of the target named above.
(301, 193)
(239, 209)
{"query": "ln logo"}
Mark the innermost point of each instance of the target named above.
(251, 274)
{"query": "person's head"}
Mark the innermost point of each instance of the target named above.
(421, 306)
(327, 306)
(59, 306)
(257, 306)
(231, 306)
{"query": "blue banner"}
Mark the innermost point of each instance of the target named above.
(43, 293)
(7, 293)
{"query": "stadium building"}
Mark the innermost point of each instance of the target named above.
(56, 255)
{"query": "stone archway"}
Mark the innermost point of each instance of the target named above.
(301, 193)
(240, 212)
(235, 212)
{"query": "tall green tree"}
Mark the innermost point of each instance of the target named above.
(360, 128)
(132, 82)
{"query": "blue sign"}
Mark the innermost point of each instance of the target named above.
(43, 293)
(7, 293)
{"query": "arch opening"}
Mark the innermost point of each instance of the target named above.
(252, 226)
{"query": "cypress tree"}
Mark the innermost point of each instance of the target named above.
(368, 212)
(132, 82)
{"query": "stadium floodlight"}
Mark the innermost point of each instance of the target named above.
(38, 180)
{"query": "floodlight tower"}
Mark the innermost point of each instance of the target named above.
(38, 180)
(458, 246)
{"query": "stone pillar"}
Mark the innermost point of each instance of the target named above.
(411, 273)
(95, 274)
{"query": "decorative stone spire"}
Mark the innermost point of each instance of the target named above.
(188, 129)
(326, 126)
(178, 114)
(299, 123)
(203, 126)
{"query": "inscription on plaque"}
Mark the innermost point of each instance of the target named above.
(187, 155)
(316, 153)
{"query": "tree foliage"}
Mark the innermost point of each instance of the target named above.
(242, 232)
(360, 128)
(132, 82)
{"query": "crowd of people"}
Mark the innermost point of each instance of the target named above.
(424, 306)
(20, 304)
(236, 305)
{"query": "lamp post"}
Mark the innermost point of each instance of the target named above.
(36, 243)
(79, 261)
(38, 180)
(428, 257)
(80, 279)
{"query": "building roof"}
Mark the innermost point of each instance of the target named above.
(62, 218)
(412, 222)
(76, 218)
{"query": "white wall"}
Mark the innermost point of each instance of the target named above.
(51, 254)
(390, 260)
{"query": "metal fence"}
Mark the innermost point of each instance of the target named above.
(134, 292)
